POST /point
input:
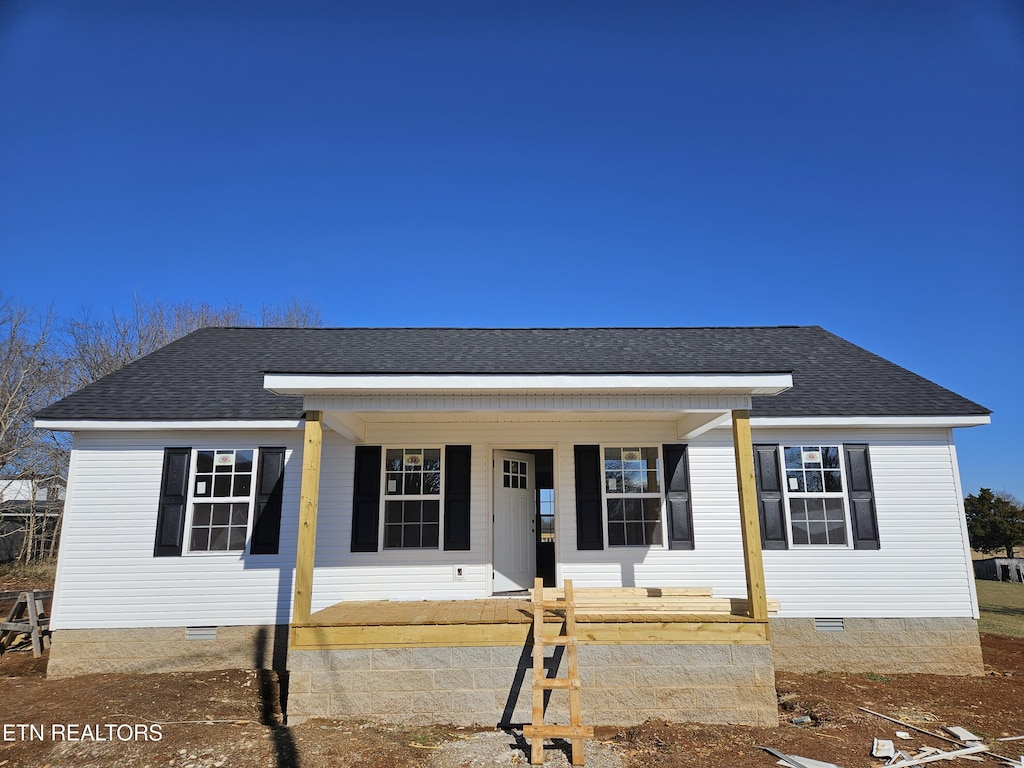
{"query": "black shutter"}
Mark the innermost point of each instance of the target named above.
(366, 499)
(769, 497)
(677, 496)
(170, 516)
(266, 521)
(862, 498)
(589, 519)
(456, 496)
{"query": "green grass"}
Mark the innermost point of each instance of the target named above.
(37, 575)
(878, 678)
(430, 737)
(1002, 608)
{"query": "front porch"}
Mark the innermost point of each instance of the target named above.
(676, 653)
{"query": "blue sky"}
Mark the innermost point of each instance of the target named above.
(854, 165)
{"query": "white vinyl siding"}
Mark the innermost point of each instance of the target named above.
(108, 576)
(921, 568)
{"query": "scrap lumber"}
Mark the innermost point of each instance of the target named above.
(796, 761)
(934, 735)
(940, 755)
(961, 733)
(883, 748)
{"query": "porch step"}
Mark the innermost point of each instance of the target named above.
(649, 601)
(576, 731)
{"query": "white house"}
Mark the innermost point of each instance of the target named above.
(366, 506)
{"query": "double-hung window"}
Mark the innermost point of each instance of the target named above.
(632, 494)
(222, 496)
(815, 493)
(412, 498)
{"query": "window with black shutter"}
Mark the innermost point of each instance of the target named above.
(820, 496)
(170, 518)
(678, 510)
(589, 517)
(220, 500)
(414, 497)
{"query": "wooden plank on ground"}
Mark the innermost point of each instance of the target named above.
(558, 731)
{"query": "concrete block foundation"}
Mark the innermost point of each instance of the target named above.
(621, 684)
(939, 646)
(164, 649)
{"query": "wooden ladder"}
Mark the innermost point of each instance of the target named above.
(575, 731)
(27, 617)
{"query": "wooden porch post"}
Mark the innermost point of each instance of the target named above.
(302, 604)
(757, 600)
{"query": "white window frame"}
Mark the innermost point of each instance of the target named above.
(660, 494)
(787, 494)
(541, 502)
(384, 497)
(192, 500)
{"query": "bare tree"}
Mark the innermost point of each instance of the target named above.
(38, 365)
(294, 313)
(29, 380)
(97, 347)
(31, 462)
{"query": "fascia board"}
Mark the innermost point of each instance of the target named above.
(746, 384)
(70, 425)
(870, 421)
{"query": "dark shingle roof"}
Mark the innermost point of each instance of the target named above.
(217, 373)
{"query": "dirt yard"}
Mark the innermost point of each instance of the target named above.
(231, 718)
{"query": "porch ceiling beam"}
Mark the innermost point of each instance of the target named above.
(697, 423)
(348, 425)
(753, 562)
(308, 502)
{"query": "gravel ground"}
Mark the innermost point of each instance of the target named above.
(488, 749)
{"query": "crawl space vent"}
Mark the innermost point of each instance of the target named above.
(200, 633)
(829, 625)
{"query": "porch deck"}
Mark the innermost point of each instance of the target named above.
(603, 617)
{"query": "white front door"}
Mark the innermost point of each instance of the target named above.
(515, 514)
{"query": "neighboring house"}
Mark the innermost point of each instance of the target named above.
(30, 512)
(22, 489)
(243, 487)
